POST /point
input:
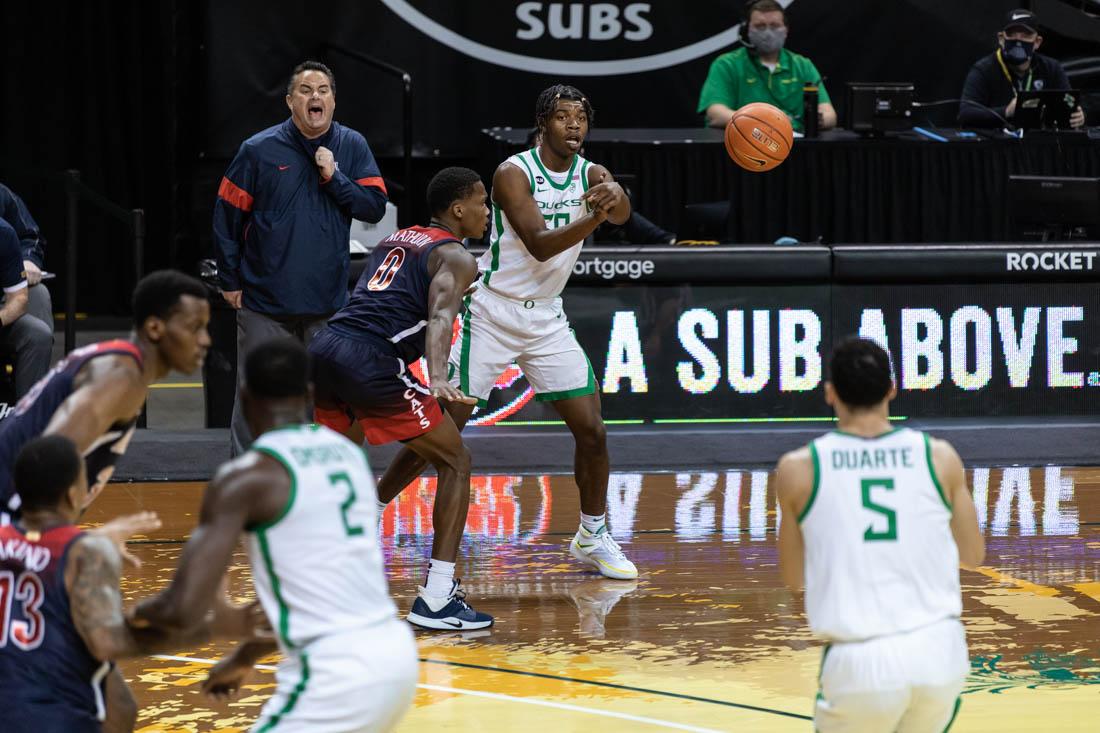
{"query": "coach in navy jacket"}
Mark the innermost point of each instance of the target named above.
(282, 220)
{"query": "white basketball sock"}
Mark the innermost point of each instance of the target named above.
(441, 577)
(593, 522)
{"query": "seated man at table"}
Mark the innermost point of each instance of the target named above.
(989, 94)
(763, 71)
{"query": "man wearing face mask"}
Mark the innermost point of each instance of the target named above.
(994, 81)
(763, 71)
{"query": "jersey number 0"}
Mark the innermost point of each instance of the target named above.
(387, 271)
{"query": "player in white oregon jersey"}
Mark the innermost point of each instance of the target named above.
(875, 522)
(304, 497)
(545, 202)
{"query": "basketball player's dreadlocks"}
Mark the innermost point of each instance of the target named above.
(548, 101)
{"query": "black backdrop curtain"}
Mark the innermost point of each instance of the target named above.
(96, 86)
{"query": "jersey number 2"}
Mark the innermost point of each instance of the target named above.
(871, 534)
(27, 588)
(387, 271)
(336, 479)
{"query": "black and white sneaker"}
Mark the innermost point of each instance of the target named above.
(450, 612)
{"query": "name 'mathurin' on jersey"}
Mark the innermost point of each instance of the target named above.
(879, 554)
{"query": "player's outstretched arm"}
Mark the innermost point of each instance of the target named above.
(604, 193)
(794, 479)
(250, 490)
(109, 390)
(452, 269)
(964, 516)
(92, 575)
(512, 193)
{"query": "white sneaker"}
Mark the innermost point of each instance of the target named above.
(601, 551)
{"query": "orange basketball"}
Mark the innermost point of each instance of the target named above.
(759, 137)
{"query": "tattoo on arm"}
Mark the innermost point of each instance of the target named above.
(95, 600)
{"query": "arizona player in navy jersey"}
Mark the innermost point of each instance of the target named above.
(95, 394)
(61, 619)
(404, 305)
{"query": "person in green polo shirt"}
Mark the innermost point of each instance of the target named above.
(763, 71)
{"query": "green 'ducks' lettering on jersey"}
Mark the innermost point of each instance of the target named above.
(872, 458)
(555, 205)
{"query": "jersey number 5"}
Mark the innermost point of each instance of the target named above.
(27, 588)
(871, 534)
(387, 271)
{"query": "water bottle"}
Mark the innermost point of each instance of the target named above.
(809, 109)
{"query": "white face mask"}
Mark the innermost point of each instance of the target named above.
(767, 40)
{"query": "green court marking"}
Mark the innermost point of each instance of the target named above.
(751, 420)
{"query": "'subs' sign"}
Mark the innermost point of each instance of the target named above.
(577, 38)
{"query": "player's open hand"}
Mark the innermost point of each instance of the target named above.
(326, 163)
(225, 679)
(1077, 119)
(443, 390)
(123, 528)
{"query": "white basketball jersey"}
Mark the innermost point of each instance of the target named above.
(317, 567)
(880, 557)
(507, 267)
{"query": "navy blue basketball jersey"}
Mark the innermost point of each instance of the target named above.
(49, 681)
(390, 301)
(33, 413)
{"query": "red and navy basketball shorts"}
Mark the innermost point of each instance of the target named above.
(354, 380)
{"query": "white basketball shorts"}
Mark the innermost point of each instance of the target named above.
(908, 682)
(497, 331)
(359, 681)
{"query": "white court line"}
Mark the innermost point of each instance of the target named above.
(499, 696)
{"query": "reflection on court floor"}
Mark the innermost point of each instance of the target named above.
(706, 639)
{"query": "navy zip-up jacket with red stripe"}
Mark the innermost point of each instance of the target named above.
(281, 232)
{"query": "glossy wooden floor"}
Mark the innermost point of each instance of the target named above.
(706, 639)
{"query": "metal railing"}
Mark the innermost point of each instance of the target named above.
(406, 108)
(76, 191)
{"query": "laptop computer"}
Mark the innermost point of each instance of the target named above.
(1046, 109)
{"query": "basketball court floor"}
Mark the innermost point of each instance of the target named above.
(706, 639)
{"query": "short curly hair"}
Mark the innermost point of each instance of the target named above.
(548, 102)
(448, 186)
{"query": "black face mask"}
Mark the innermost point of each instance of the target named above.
(1017, 52)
